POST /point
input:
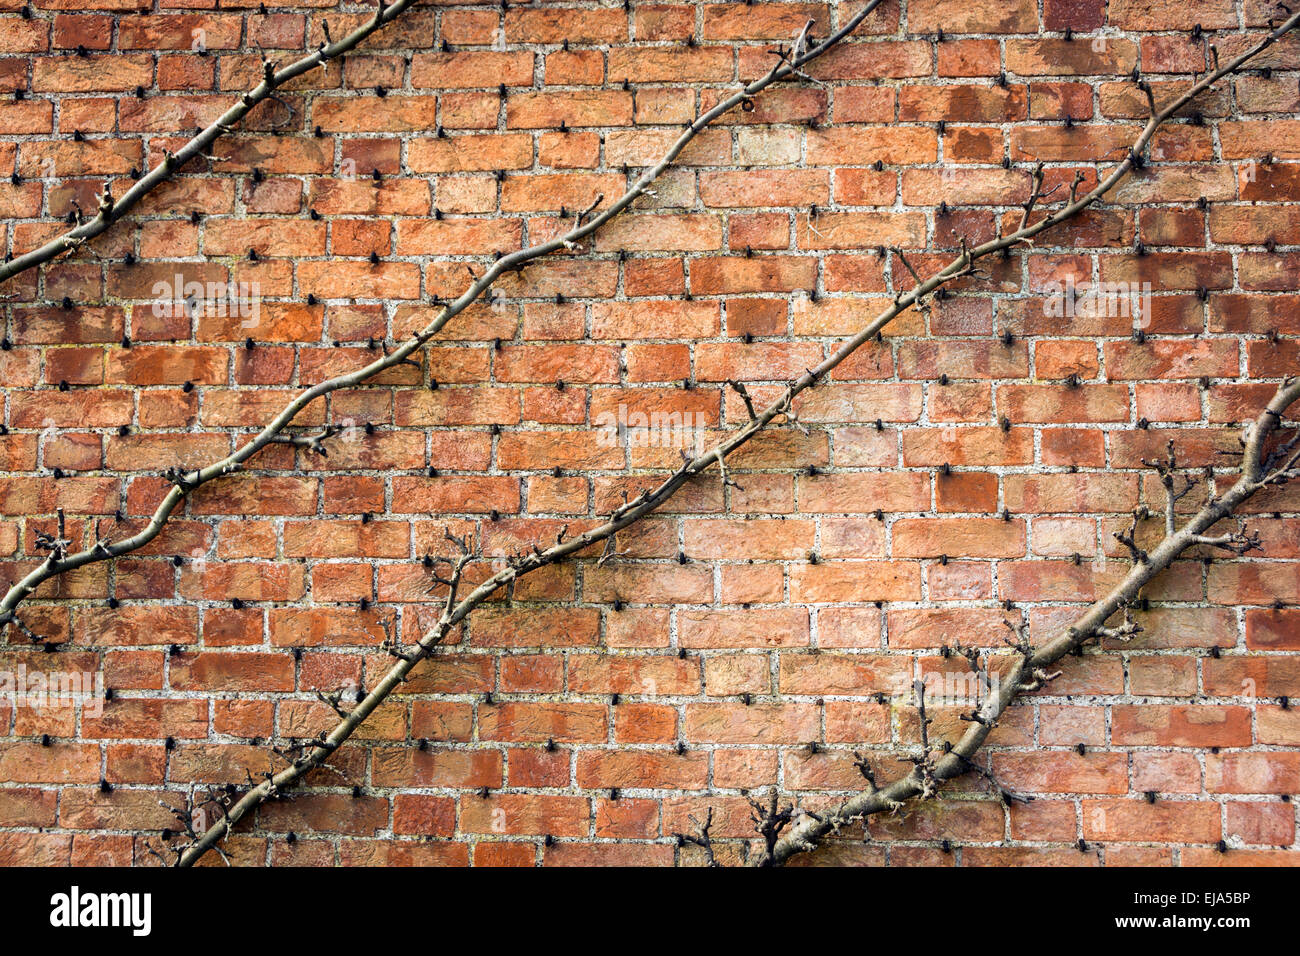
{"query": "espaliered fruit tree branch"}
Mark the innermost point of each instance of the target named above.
(111, 210)
(790, 63)
(1261, 467)
(785, 831)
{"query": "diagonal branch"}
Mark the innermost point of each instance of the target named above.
(184, 484)
(1257, 474)
(111, 210)
(1029, 673)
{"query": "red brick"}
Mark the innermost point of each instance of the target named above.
(1196, 726)
(746, 619)
(1136, 821)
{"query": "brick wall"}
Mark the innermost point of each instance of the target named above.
(746, 625)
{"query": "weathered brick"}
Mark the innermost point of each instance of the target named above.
(945, 470)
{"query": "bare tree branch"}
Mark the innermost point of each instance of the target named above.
(1257, 472)
(1030, 672)
(111, 210)
(185, 483)
(701, 838)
